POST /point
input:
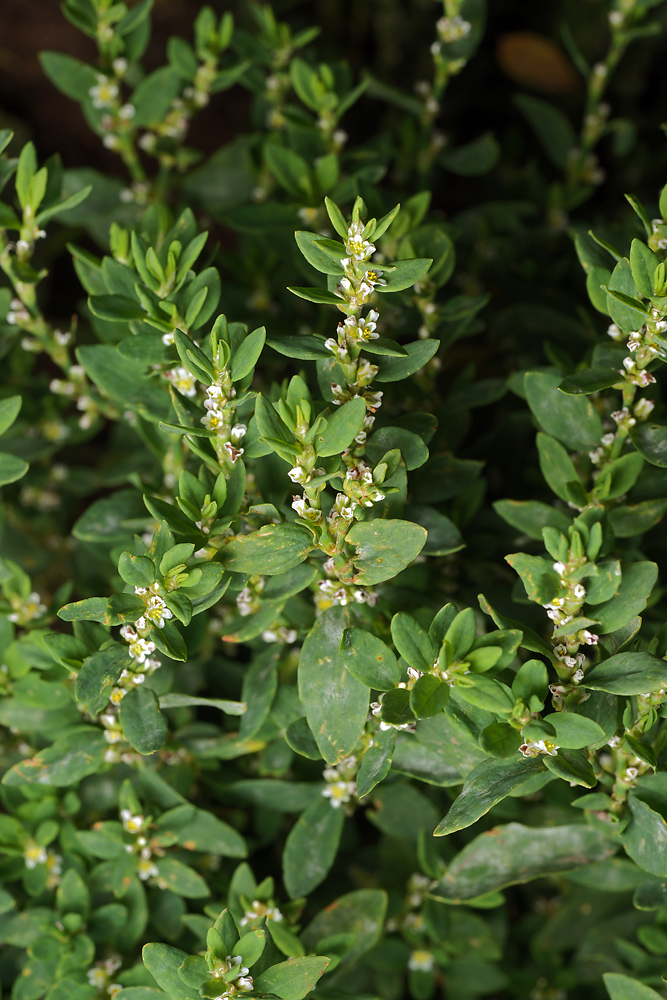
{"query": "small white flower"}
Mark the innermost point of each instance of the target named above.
(181, 379)
(298, 474)
(643, 408)
(147, 869)
(233, 452)
(339, 792)
(104, 93)
(131, 823)
(589, 637)
(532, 748)
(33, 854)
(421, 961)
(140, 649)
(157, 611)
(579, 592)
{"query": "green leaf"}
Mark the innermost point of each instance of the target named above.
(650, 440)
(106, 611)
(645, 837)
(319, 295)
(418, 354)
(334, 213)
(443, 537)
(141, 720)
(571, 419)
(621, 987)
(396, 708)
(118, 308)
(500, 740)
(428, 696)
(304, 347)
(122, 380)
(514, 854)
(412, 642)
(531, 516)
(384, 548)
(487, 784)
(293, 979)
(259, 690)
(169, 641)
(63, 206)
(163, 962)
(205, 832)
(341, 429)
(290, 170)
(376, 762)
(572, 766)
(574, 731)
(98, 675)
(173, 700)
(590, 380)
(556, 465)
(623, 302)
(12, 468)
(154, 95)
(246, 355)
(540, 581)
(628, 674)
(635, 519)
(619, 476)
(311, 846)
(551, 127)
(65, 762)
(369, 659)
(139, 571)
(181, 879)
(285, 941)
(336, 703)
(605, 584)
(404, 273)
(636, 585)
(475, 158)
(72, 77)
(317, 254)
(299, 737)
(643, 264)
(9, 411)
(250, 947)
(273, 549)
(360, 914)
(411, 446)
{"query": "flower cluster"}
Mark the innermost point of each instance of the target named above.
(356, 288)
(248, 600)
(533, 748)
(218, 418)
(100, 976)
(257, 909)
(235, 976)
(563, 609)
(26, 609)
(35, 854)
(341, 788)
(136, 824)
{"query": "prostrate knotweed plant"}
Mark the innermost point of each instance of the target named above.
(282, 662)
